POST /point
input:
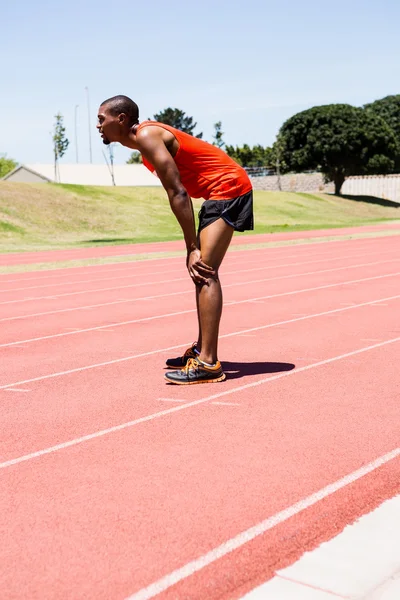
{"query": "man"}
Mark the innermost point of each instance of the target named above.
(189, 167)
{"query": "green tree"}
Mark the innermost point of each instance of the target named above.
(178, 119)
(234, 152)
(60, 143)
(256, 156)
(6, 165)
(339, 140)
(389, 109)
(218, 133)
(135, 158)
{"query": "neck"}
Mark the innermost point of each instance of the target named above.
(130, 140)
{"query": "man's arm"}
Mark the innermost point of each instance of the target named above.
(153, 148)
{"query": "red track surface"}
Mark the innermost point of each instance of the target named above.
(113, 480)
(25, 258)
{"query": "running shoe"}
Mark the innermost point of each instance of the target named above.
(196, 371)
(180, 361)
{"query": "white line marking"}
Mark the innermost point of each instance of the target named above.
(250, 534)
(247, 300)
(16, 390)
(151, 417)
(380, 305)
(122, 287)
(158, 351)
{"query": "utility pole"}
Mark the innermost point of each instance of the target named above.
(278, 173)
(111, 149)
(90, 129)
(76, 133)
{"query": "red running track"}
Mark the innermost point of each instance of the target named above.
(40, 256)
(117, 485)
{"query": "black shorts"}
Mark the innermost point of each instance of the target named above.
(237, 212)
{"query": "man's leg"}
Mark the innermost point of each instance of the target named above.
(214, 242)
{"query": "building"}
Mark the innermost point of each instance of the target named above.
(84, 174)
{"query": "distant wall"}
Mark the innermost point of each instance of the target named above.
(293, 182)
(381, 186)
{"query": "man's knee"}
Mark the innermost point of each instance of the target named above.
(210, 279)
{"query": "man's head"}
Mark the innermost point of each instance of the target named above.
(116, 117)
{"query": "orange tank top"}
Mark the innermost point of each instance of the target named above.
(206, 171)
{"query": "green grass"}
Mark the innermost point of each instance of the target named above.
(46, 216)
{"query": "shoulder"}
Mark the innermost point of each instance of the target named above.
(148, 131)
(152, 133)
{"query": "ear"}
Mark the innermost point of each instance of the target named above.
(122, 118)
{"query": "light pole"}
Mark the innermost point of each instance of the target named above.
(76, 132)
(90, 129)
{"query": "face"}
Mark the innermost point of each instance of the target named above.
(109, 126)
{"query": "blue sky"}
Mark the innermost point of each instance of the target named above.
(250, 64)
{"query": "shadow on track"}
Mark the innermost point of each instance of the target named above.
(236, 370)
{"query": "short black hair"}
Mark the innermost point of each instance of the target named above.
(122, 104)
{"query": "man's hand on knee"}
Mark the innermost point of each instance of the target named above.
(198, 270)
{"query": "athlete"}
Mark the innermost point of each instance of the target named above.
(190, 168)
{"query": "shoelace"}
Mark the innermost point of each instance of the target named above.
(192, 363)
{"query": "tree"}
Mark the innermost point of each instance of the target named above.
(135, 158)
(339, 140)
(389, 109)
(60, 142)
(6, 165)
(218, 141)
(178, 119)
(257, 156)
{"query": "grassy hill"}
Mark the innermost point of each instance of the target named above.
(38, 216)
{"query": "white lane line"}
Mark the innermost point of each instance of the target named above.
(225, 335)
(157, 415)
(250, 534)
(171, 400)
(183, 312)
(122, 287)
(16, 390)
(235, 272)
(364, 243)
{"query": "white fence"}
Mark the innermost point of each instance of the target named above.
(381, 186)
